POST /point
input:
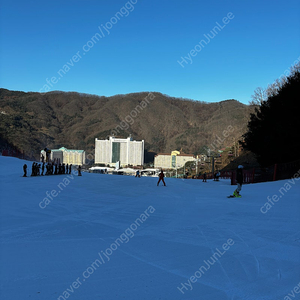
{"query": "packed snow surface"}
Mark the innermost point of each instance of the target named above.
(120, 237)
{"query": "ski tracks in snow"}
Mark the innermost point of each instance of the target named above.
(229, 291)
(177, 273)
(254, 256)
(248, 273)
(279, 274)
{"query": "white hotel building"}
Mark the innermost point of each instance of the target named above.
(66, 156)
(172, 161)
(126, 151)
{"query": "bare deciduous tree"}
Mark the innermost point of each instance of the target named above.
(258, 97)
(261, 95)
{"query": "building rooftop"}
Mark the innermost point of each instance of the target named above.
(183, 154)
(66, 150)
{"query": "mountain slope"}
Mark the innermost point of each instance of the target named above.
(32, 121)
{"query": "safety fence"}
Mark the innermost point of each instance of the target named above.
(13, 153)
(272, 173)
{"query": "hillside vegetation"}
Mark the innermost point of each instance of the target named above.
(33, 121)
(273, 130)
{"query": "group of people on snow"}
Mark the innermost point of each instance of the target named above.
(58, 168)
(41, 169)
(239, 179)
(217, 176)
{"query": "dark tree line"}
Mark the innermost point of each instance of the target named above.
(273, 130)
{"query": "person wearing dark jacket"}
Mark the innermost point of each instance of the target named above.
(239, 181)
(79, 171)
(33, 169)
(38, 169)
(63, 168)
(161, 178)
(25, 170)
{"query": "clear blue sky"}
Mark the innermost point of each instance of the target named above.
(142, 42)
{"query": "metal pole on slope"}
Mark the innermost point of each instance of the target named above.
(213, 165)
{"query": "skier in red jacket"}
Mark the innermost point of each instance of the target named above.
(161, 178)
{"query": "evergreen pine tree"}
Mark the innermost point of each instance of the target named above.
(273, 130)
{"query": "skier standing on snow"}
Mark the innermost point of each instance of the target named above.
(239, 181)
(38, 168)
(25, 170)
(43, 169)
(161, 178)
(32, 169)
(79, 171)
(63, 168)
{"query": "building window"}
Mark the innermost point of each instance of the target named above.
(115, 152)
(173, 161)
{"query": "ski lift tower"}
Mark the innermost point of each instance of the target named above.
(213, 156)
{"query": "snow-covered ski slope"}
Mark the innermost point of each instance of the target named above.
(117, 237)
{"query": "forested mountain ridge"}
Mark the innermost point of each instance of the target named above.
(32, 121)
